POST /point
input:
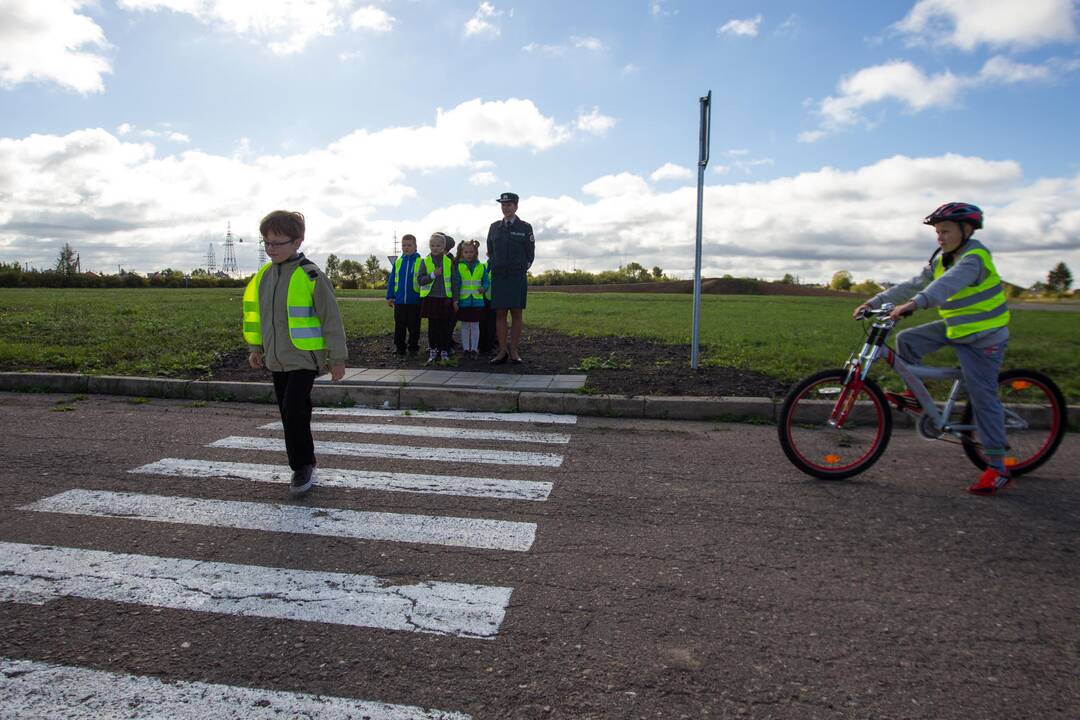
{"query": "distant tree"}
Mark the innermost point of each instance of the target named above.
(67, 261)
(333, 269)
(657, 272)
(866, 287)
(841, 280)
(373, 274)
(788, 279)
(1059, 279)
(351, 274)
(199, 272)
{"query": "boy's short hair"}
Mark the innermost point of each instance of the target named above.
(408, 237)
(283, 222)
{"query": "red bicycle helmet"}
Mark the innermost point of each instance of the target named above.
(957, 212)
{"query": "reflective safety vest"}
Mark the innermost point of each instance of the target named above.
(429, 267)
(305, 328)
(472, 283)
(977, 307)
(397, 274)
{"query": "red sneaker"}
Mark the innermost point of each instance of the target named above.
(990, 482)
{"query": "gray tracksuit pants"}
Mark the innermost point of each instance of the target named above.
(980, 366)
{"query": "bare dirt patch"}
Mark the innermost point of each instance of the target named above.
(614, 365)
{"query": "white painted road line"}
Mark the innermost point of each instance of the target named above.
(437, 433)
(525, 417)
(356, 479)
(401, 452)
(424, 529)
(39, 573)
(30, 689)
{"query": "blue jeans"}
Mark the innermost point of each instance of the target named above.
(980, 366)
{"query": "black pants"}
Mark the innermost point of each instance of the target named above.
(293, 390)
(440, 334)
(407, 318)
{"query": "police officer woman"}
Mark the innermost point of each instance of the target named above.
(510, 249)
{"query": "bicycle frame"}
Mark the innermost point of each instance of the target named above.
(875, 348)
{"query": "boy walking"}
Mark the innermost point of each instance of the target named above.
(403, 294)
(293, 328)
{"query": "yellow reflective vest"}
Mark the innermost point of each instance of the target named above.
(429, 266)
(305, 328)
(977, 307)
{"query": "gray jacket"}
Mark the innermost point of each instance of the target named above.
(928, 292)
(279, 353)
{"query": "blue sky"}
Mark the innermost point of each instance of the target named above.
(135, 129)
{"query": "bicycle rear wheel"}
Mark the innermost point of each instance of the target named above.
(834, 451)
(1035, 420)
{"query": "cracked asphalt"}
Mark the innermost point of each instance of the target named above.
(680, 570)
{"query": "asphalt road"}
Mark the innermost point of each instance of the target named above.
(675, 570)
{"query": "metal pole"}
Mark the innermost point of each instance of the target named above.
(703, 160)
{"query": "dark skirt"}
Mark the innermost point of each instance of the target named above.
(470, 314)
(509, 291)
(437, 308)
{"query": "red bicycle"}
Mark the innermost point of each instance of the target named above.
(837, 423)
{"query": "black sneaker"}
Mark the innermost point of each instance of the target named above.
(302, 481)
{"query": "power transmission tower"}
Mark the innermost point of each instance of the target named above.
(228, 265)
(211, 260)
(262, 254)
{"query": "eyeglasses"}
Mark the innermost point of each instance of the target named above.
(272, 244)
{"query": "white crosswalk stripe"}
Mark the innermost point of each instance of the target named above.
(39, 573)
(494, 488)
(401, 452)
(521, 417)
(440, 433)
(31, 689)
(423, 529)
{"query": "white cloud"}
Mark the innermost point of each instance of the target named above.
(143, 203)
(123, 202)
(178, 137)
(621, 185)
(286, 25)
(744, 28)
(867, 220)
(512, 123)
(50, 41)
(555, 50)
(630, 69)
(967, 24)
(371, 18)
(483, 178)
(658, 8)
(587, 43)
(482, 23)
(901, 81)
(594, 122)
(583, 43)
(746, 166)
(671, 171)
(124, 128)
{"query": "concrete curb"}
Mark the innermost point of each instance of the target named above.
(405, 397)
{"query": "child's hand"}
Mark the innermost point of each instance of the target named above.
(858, 312)
(255, 359)
(337, 371)
(455, 306)
(390, 302)
(437, 272)
(902, 310)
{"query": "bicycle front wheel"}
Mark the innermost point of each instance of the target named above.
(1035, 420)
(833, 431)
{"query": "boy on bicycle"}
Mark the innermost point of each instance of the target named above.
(961, 281)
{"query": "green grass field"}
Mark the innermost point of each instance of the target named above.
(171, 332)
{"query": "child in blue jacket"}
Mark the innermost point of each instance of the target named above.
(403, 294)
